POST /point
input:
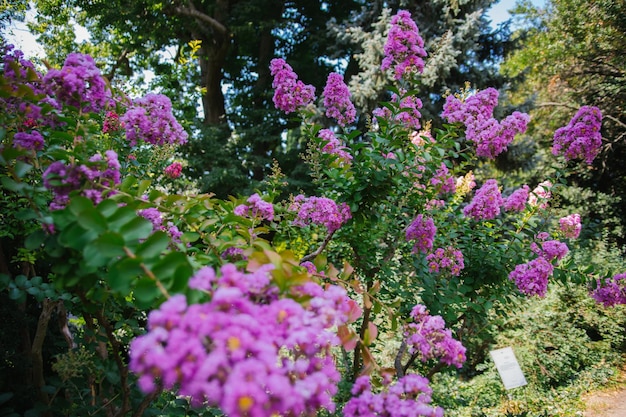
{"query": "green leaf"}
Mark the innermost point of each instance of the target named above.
(143, 186)
(107, 208)
(35, 240)
(91, 219)
(154, 245)
(76, 237)
(122, 274)
(173, 270)
(108, 246)
(78, 204)
(121, 217)
(146, 291)
(137, 228)
(22, 168)
(11, 184)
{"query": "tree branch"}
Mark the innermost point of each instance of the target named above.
(319, 250)
(191, 11)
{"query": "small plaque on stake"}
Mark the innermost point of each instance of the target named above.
(508, 368)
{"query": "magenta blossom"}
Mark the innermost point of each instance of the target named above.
(79, 83)
(173, 170)
(321, 211)
(531, 278)
(570, 226)
(581, 137)
(149, 119)
(290, 93)
(404, 49)
(422, 230)
(612, 292)
(486, 202)
(255, 208)
(476, 113)
(410, 396)
(517, 200)
(337, 100)
(333, 146)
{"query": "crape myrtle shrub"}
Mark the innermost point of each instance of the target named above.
(135, 298)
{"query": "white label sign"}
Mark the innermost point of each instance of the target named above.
(508, 368)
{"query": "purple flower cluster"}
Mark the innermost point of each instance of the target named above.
(149, 119)
(422, 230)
(448, 258)
(337, 100)
(410, 396)
(476, 113)
(93, 178)
(540, 195)
(486, 202)
(408, 115)
(31, 141)
(404, 49)
(570, 226)
(517, 200)
(321, 211)
(551, 250)
(612, 293)
(581, 137)
(248, 359)
(333, 146)
(156, 218)
(428, 337)
(289, 92)
(531, 278)
(443, 181)
(256, 208)
(79, 83)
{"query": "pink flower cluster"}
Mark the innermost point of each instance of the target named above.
(173, 170)
(333, 146)
(78, 83)
(570, 226)
(486, 202)
(92, 178)
(517, 200)
(111, 122)
(156, 218)
(337, 100)
(289, 92)
(408, 113)
(256, 208)
(422, 230)
(248, 359)
(581, 137)
(404, 49)
(531, 278)
(321, 211)
(448, 258)
(428, 337)
(443, 181)
(476, 113)
(410, 396)
(540, 195)
(149, 119)
(612, 293)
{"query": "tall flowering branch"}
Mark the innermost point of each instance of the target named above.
(404, 49)
(476, 113)
(337, 100)
(289, 93)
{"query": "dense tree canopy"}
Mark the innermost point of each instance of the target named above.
(239, 132)
(572, 55)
